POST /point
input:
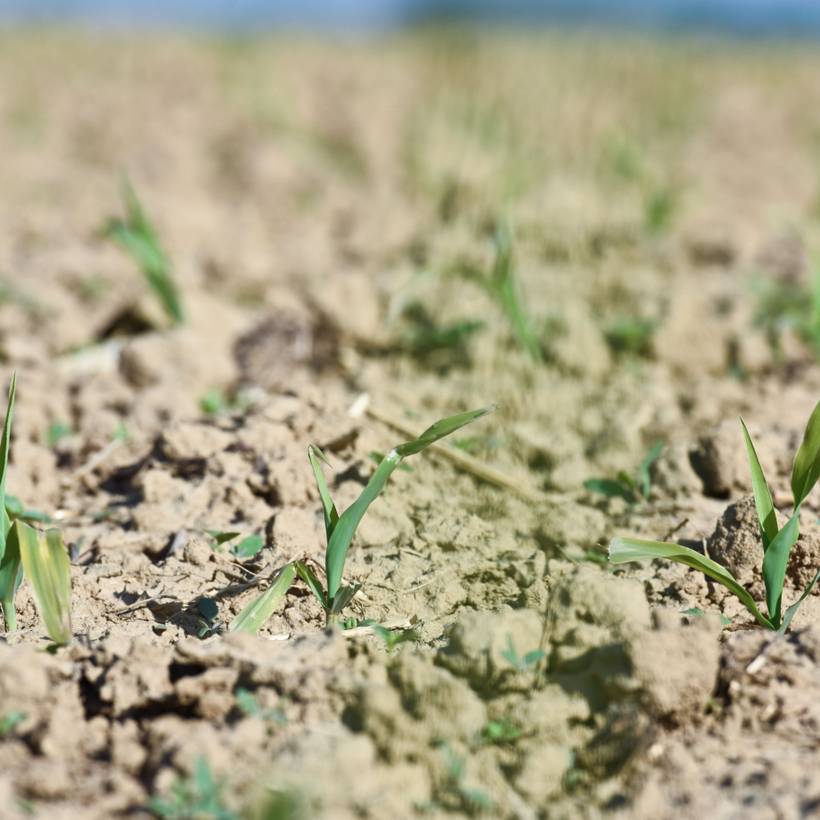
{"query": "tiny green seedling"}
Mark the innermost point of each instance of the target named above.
(502, 731)
(247, 548)
(137, 237)
(631, 488)
(340, 529)
(249, 706)
(10, 721)
(57, 431)
(521, 663)
(207, 618)
(24, 551)
(425, 337)
(777, 542)
(199, 796)
(394, 637)
(472, 799)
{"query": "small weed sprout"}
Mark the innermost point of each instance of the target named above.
(631, 335)
(248, 704)
(10, 721)
(471, 799)
(631, 488)
(137, 237)
(199, 796)
(502, 731)
(340, 530)
(24, 551)
(521, 663)
(777, 542)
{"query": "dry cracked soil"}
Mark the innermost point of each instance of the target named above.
(330, 212)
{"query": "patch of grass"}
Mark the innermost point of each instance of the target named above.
(136, 235)
(340, 529)
(631, 488)
(198, 797)
(777, 542)
(25, 551)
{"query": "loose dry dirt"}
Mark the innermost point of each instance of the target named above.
(323, 204)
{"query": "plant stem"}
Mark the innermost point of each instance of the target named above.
(9, 616)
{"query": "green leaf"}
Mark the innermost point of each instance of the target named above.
(253, 616)
(443, 427)
(136, 235)
(11, 574)
(792, 610)
(763, 497)
(316, 456)
(314, 584)
(697, 612)
(624, 550)
(645, 467)
(221, 537)
(806, 468)
(46, 565)
(342, 535)
(775, 561)
(343, 596)
(610, 488)
(5, 521)
(249, 546)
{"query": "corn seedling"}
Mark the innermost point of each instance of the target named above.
(502, 287)
(40, 557)
(137, 237)
(777, 542)
(631, 488)
(340, 529)
(199, 796)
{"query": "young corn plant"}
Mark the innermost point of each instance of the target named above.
(24, 551)
(138, 238)
(777, 542)
(340, 530)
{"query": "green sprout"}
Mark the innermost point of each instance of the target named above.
(199, 796)
(521, 663)
(249, 706)
(500, 731)
(393, 637)
(472, 799)
(777, 542)
(57, 430)
(425, 337)
(631, 488)
(138, 238)
(10, 721)
(24, 551)
(340, 529)
(502, 287)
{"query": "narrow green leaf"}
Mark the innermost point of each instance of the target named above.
(137, 236)
(610, 488)
(343, 596)
(644, 476)
(11, 574)
(46, 565)
(314, 584)
(763, 497)
(806, 468)
(249, 546)
(792, 610)
(5, 521)
(253, 616)
(342, 536)
(775, 561)
(316, 456)
(624, 550)
(439, 430)
(339, 542)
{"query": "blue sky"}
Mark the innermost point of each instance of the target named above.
(749, 16)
